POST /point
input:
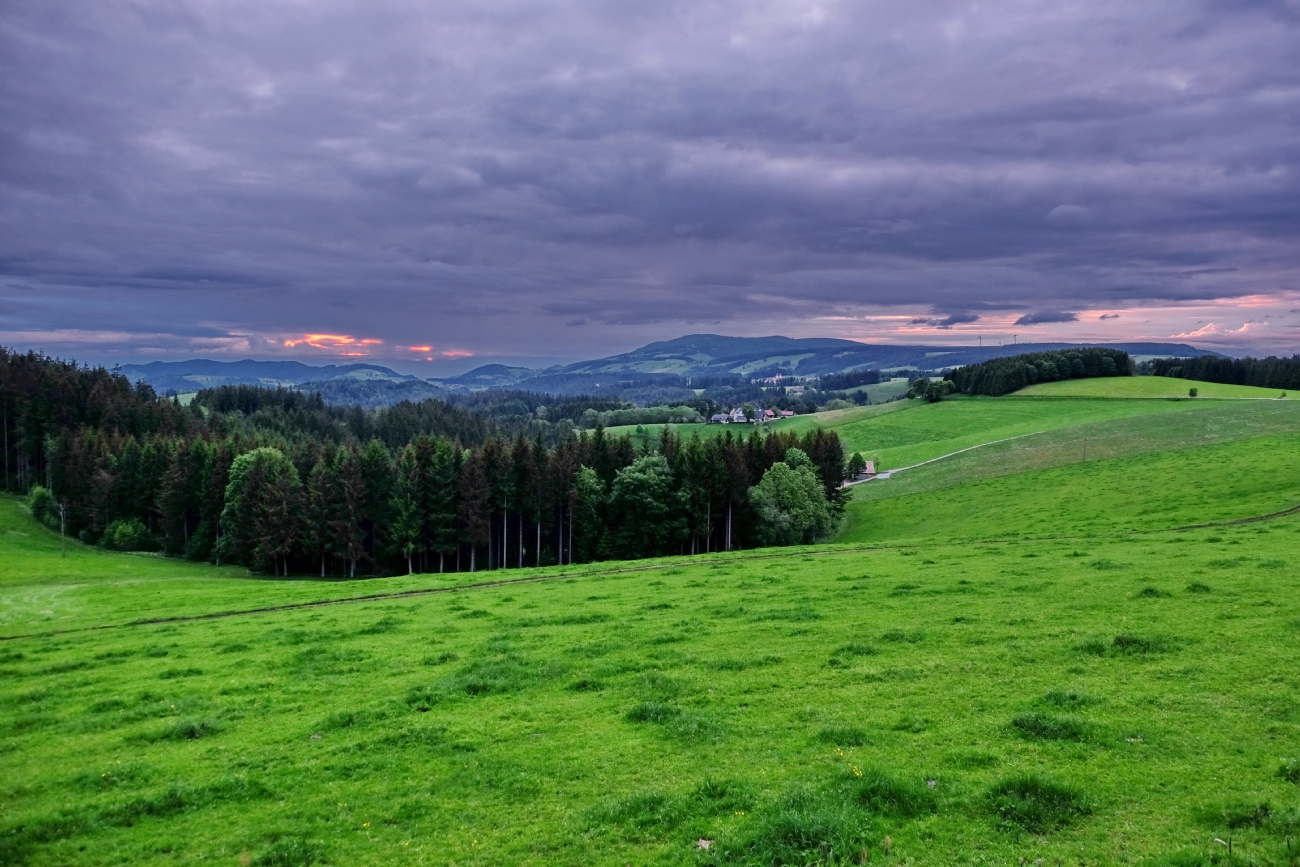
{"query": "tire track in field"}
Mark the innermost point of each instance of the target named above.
(430, 591)
(541, 579)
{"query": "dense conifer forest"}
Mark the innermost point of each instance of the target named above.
(277, 480)
(1001, 376)
(1271, 372)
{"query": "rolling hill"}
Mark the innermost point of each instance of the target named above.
(182, 376)
(1072, 646)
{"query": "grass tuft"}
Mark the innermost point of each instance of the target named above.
(911, 724)
(1044, 727)
(715, 797)
(743, 664)
(1069, 698)
(1128, 645)
(586, 684)
(1198, 587)
(651, 712)
(185, 730)
(642, 814)
(1035, 803)
(843, 736)
(1289, 770)
(441, 658)
(1153, 593)
(804, 827)
(1235, 816)
(884, 795)
(291, 852)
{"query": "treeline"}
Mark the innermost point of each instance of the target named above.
(252, 411)
(845, 381)
(439, 507)
(1000, 376)
(1271, 372)
(276, 480)
(41, 397)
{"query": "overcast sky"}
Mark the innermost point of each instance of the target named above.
(420, 179)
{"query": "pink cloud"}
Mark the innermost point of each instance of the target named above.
(1216, 331)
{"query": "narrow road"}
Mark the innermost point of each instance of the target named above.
(889, 473)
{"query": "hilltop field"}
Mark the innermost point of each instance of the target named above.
(1076, 642)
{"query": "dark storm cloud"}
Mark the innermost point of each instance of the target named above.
(948, 321)
(484, 174)
(1046, 317)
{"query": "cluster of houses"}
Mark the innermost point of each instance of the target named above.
(737, 416)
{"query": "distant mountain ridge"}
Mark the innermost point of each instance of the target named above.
(199, 373)
(693, 355)
(712, 354)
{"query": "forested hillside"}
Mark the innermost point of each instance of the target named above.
(276, 480)
(1004, 375)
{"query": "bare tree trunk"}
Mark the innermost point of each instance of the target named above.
(409, 569)
(472, 552)
(538, 556)
(521, 540)
(322, 565)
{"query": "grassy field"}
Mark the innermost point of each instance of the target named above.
(919, 431)
(1016, 655)
(1145, 386)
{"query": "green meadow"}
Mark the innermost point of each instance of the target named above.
(1147, 386)
(1079, 645)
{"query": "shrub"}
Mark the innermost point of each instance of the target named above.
(1034, 803)
(1045, 727)
(43, 506)
(127, 535)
